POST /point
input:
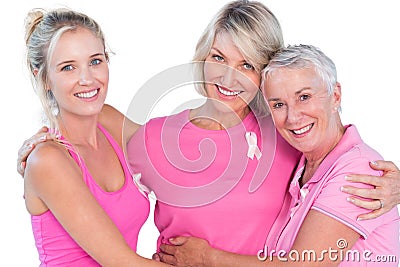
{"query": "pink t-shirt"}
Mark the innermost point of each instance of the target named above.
(127, 207)
(379, 242)
(205, 183)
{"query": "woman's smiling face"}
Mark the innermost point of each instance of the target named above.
(230, 79)
(303, 111)
(78, 73)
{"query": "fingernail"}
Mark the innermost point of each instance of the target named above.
(373, 162)
(360, 219)
(347, 178)
(349, 199)
(43, 137)
(343, 189)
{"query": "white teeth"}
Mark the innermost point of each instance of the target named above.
(303, 130)
(227, 93)
(87, 94)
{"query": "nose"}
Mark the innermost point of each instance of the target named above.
(85, 77)
(228, 77)
(293, 114)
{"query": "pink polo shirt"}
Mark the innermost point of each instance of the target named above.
(206, 184)
(379, 238)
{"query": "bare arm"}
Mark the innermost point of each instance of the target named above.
(53, 181)
(386, 191)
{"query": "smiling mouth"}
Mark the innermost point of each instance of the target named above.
(226, 92)
(303, 130)
(89, 94)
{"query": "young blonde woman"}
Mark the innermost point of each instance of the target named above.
(84, 205)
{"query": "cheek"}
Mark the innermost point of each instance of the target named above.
(256, 79)
(101, 73)
(61, 80)
(279, 118)
(320, 110)
(251, 82)
(106, 79)
(213, 70)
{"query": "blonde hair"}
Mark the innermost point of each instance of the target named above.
(43, 29)
(255, 31)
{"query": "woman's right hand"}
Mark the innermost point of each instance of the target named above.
(29, 144)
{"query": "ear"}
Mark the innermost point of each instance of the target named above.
(337, 96)
(35, 73)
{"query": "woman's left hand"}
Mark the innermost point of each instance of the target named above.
(382, 198)
(185, 251)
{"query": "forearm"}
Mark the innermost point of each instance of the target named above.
(136, 261)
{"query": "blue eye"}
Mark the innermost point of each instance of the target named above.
(247, 66)
(277, 105)
(67, 68)
(95, 61)
(218, 58)
(304, 97)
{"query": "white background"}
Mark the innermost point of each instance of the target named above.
(151, 36)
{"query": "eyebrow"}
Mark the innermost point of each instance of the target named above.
(71, 61)
(302, 89)
(273, 99)
(65, 62)
(296, 93)
(218, 51)
(223, 55)
(97, 54)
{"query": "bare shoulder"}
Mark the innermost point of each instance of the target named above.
(49, 170)
(108, 111)
(46, 154)
(48, 160)
(117, 124)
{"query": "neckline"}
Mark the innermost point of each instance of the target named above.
(85, 170)
(349, 139)
(249, 120)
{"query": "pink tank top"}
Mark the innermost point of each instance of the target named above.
(127, 207)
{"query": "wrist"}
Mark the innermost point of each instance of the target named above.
(212, 258)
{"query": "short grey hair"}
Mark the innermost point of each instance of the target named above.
(301, 57)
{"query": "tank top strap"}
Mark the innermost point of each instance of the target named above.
(116, 147)
(72, 151)
(79, 160)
